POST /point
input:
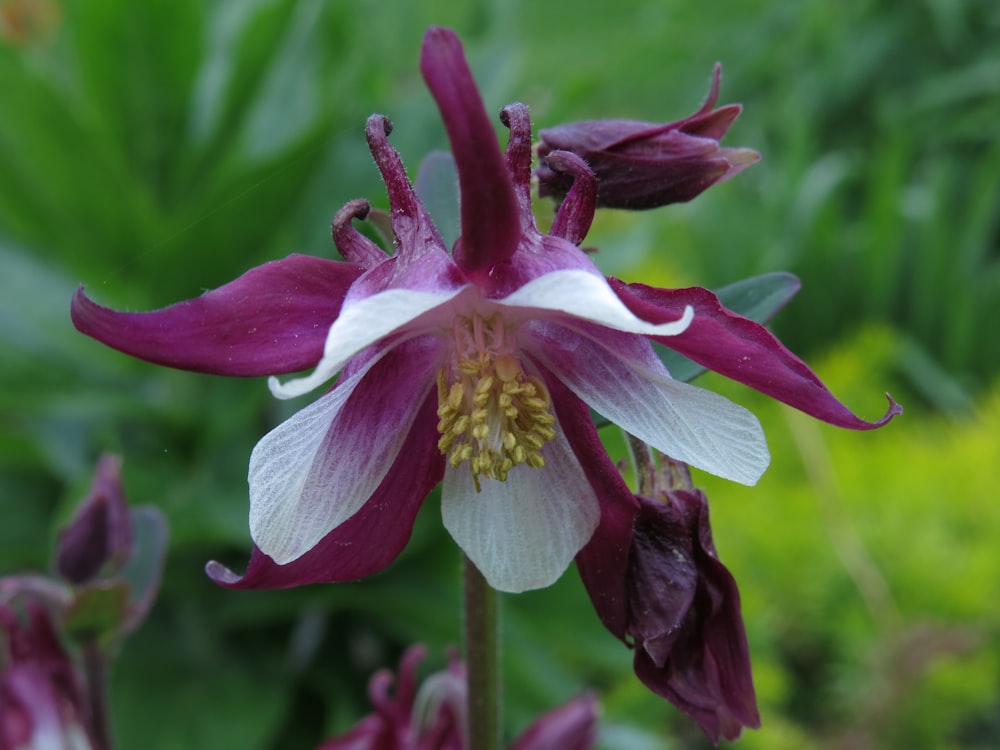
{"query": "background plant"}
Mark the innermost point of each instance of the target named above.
(151, 150)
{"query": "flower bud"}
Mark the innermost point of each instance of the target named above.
(642, 165)
(100, 533)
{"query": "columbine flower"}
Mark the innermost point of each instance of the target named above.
(645, 164)
(434, 717)
(42, 703)
(476, 367)
(682, 609)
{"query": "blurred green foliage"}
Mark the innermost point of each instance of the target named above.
(152, 150)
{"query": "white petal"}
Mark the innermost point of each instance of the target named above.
(691, 424)
(587, 296)
(360, 325)
(315, 470)
(524, 532)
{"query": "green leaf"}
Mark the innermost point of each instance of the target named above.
(758, 298)
(97, 612)
(144, 567)
(437, 186)
(215, 693)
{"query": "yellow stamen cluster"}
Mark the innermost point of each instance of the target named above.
(491, 414)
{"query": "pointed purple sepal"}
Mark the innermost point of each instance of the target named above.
(272, 320)
(741, 349)
(571, 726)
(604, 559)
(491, 227)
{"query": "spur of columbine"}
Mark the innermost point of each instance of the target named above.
(475, 368)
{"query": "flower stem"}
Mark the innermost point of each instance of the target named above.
(482, 650)
(643, 463)
(95, 670)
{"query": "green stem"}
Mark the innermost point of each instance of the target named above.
(95, 670)
(643, 463)
(482, 647)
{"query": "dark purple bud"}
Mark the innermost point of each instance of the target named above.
(684, 616)
(642, 165)
(99, 538)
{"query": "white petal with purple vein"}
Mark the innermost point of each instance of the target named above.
(691, 424)
(524, 532)
(318, 468)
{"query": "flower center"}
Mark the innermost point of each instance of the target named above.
(491, 414)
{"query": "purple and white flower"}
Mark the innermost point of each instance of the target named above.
(434, 715)
(474, 368)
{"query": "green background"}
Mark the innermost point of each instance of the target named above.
(151, 150)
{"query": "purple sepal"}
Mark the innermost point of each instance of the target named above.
(491, 226)
(572, 726)
(741, 349)
(370, 540)
(684, 615)
(603, 561)
(272, 320)
(99, 538)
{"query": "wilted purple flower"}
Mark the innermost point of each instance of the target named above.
(100, 534)
(642, 165)
(684, 616)
(42, 704)
(476, 366)
(399, 722)
(434, 717)
(656, 582)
